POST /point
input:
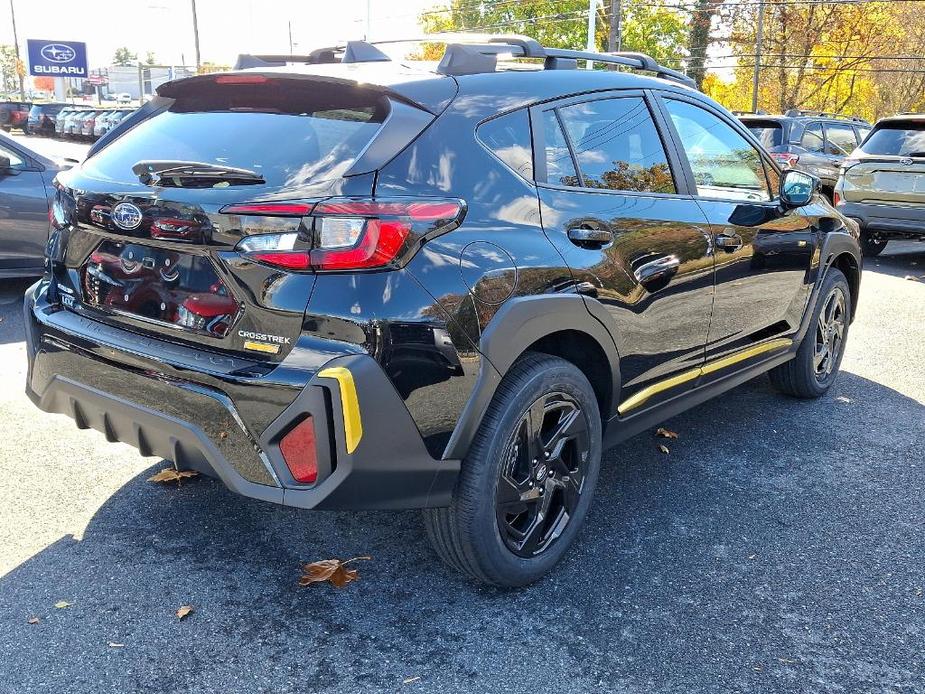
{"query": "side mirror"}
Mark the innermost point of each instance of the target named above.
(797, 188)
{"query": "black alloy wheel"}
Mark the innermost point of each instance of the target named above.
(830, 334)
(542, 479)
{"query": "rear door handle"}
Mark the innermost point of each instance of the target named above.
(729, 242)
(657, 270)
(585, 236)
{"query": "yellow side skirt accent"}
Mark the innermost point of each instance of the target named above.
(350, 404)
(637, 399)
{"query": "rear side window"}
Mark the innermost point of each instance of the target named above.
(768, 133)
(508, 137)
(840, 139)
(560, 169)
(618, 146)
(812, 138)
(288, 132)
(897, 139)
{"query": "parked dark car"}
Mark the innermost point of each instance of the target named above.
(811, 141)
(347, 283)
(26, 193)
(43, 119)
(882, 183)
(14, 114)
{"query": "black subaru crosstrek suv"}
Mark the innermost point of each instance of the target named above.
(354, 283)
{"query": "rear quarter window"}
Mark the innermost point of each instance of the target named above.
(768, 133)
(508, 138)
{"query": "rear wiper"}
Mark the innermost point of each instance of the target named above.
(153, 172)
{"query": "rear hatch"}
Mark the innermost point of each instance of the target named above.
(889, 166)
(195, 223)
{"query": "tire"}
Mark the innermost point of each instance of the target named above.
(480, 534)
(871, 247)
(810, 374)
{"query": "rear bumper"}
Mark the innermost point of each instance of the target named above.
(890, 220)
(81, 369)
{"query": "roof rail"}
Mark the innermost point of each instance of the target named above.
(759, 112)
(796, 113)
(468, 54)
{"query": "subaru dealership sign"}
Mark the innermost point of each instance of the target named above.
(57, 58)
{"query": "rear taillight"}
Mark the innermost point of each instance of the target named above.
(785, 159)
(348, 234)
(298, 449)
(836, 199)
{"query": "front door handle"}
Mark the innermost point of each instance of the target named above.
(729, 242)
(585, 236)
(657, 271)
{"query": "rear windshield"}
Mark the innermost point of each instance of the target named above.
(289, 133)
(769, 133)
(897, 139)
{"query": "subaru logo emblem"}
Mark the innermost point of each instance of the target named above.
(58, 53)
(906, 161)
(126, 216)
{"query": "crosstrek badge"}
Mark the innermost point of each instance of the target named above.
(264, 337)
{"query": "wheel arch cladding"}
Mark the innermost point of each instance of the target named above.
(848, 265)
(557, 324)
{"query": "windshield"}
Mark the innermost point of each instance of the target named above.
(898, 139)
(769, 134)
(288, 134)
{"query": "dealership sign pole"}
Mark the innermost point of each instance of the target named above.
(58, 59)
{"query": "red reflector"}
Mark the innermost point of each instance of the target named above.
(270, 209)
(417, 211)
(241, 79)
(836, 198)
(289, 260)
(298, 449)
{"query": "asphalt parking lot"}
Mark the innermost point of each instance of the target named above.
(778, 547)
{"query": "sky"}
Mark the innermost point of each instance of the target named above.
(226, 27)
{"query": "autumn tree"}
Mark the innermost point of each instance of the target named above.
(9, 81)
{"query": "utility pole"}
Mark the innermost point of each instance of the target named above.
(615, 39)
(290, 37)
(592, 28)
(369, 20)
(22, 89)
(758, 37)
(195, 36)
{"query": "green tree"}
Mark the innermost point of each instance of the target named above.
(124, 56)
(659, 31)
(150, 58)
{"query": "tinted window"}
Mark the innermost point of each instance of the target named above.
(723, 162)
(509, 138)
(812, 138)
(617, 146)
(897, 139)
(289, 133)
(840, 139)
(559, 166)
(768, 134)
(16, 162)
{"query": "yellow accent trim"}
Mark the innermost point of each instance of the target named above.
(261, 347)
(637, 399)
(350, 404)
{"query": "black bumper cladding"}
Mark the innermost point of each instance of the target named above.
(73, 371)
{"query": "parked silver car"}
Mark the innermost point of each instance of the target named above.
(26, 194)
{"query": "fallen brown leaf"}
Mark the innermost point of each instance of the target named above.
(663, 448)
(665, 433)
(33, 620)
(333, 571)
(184, 611)
(61, 604)
(170, 474)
